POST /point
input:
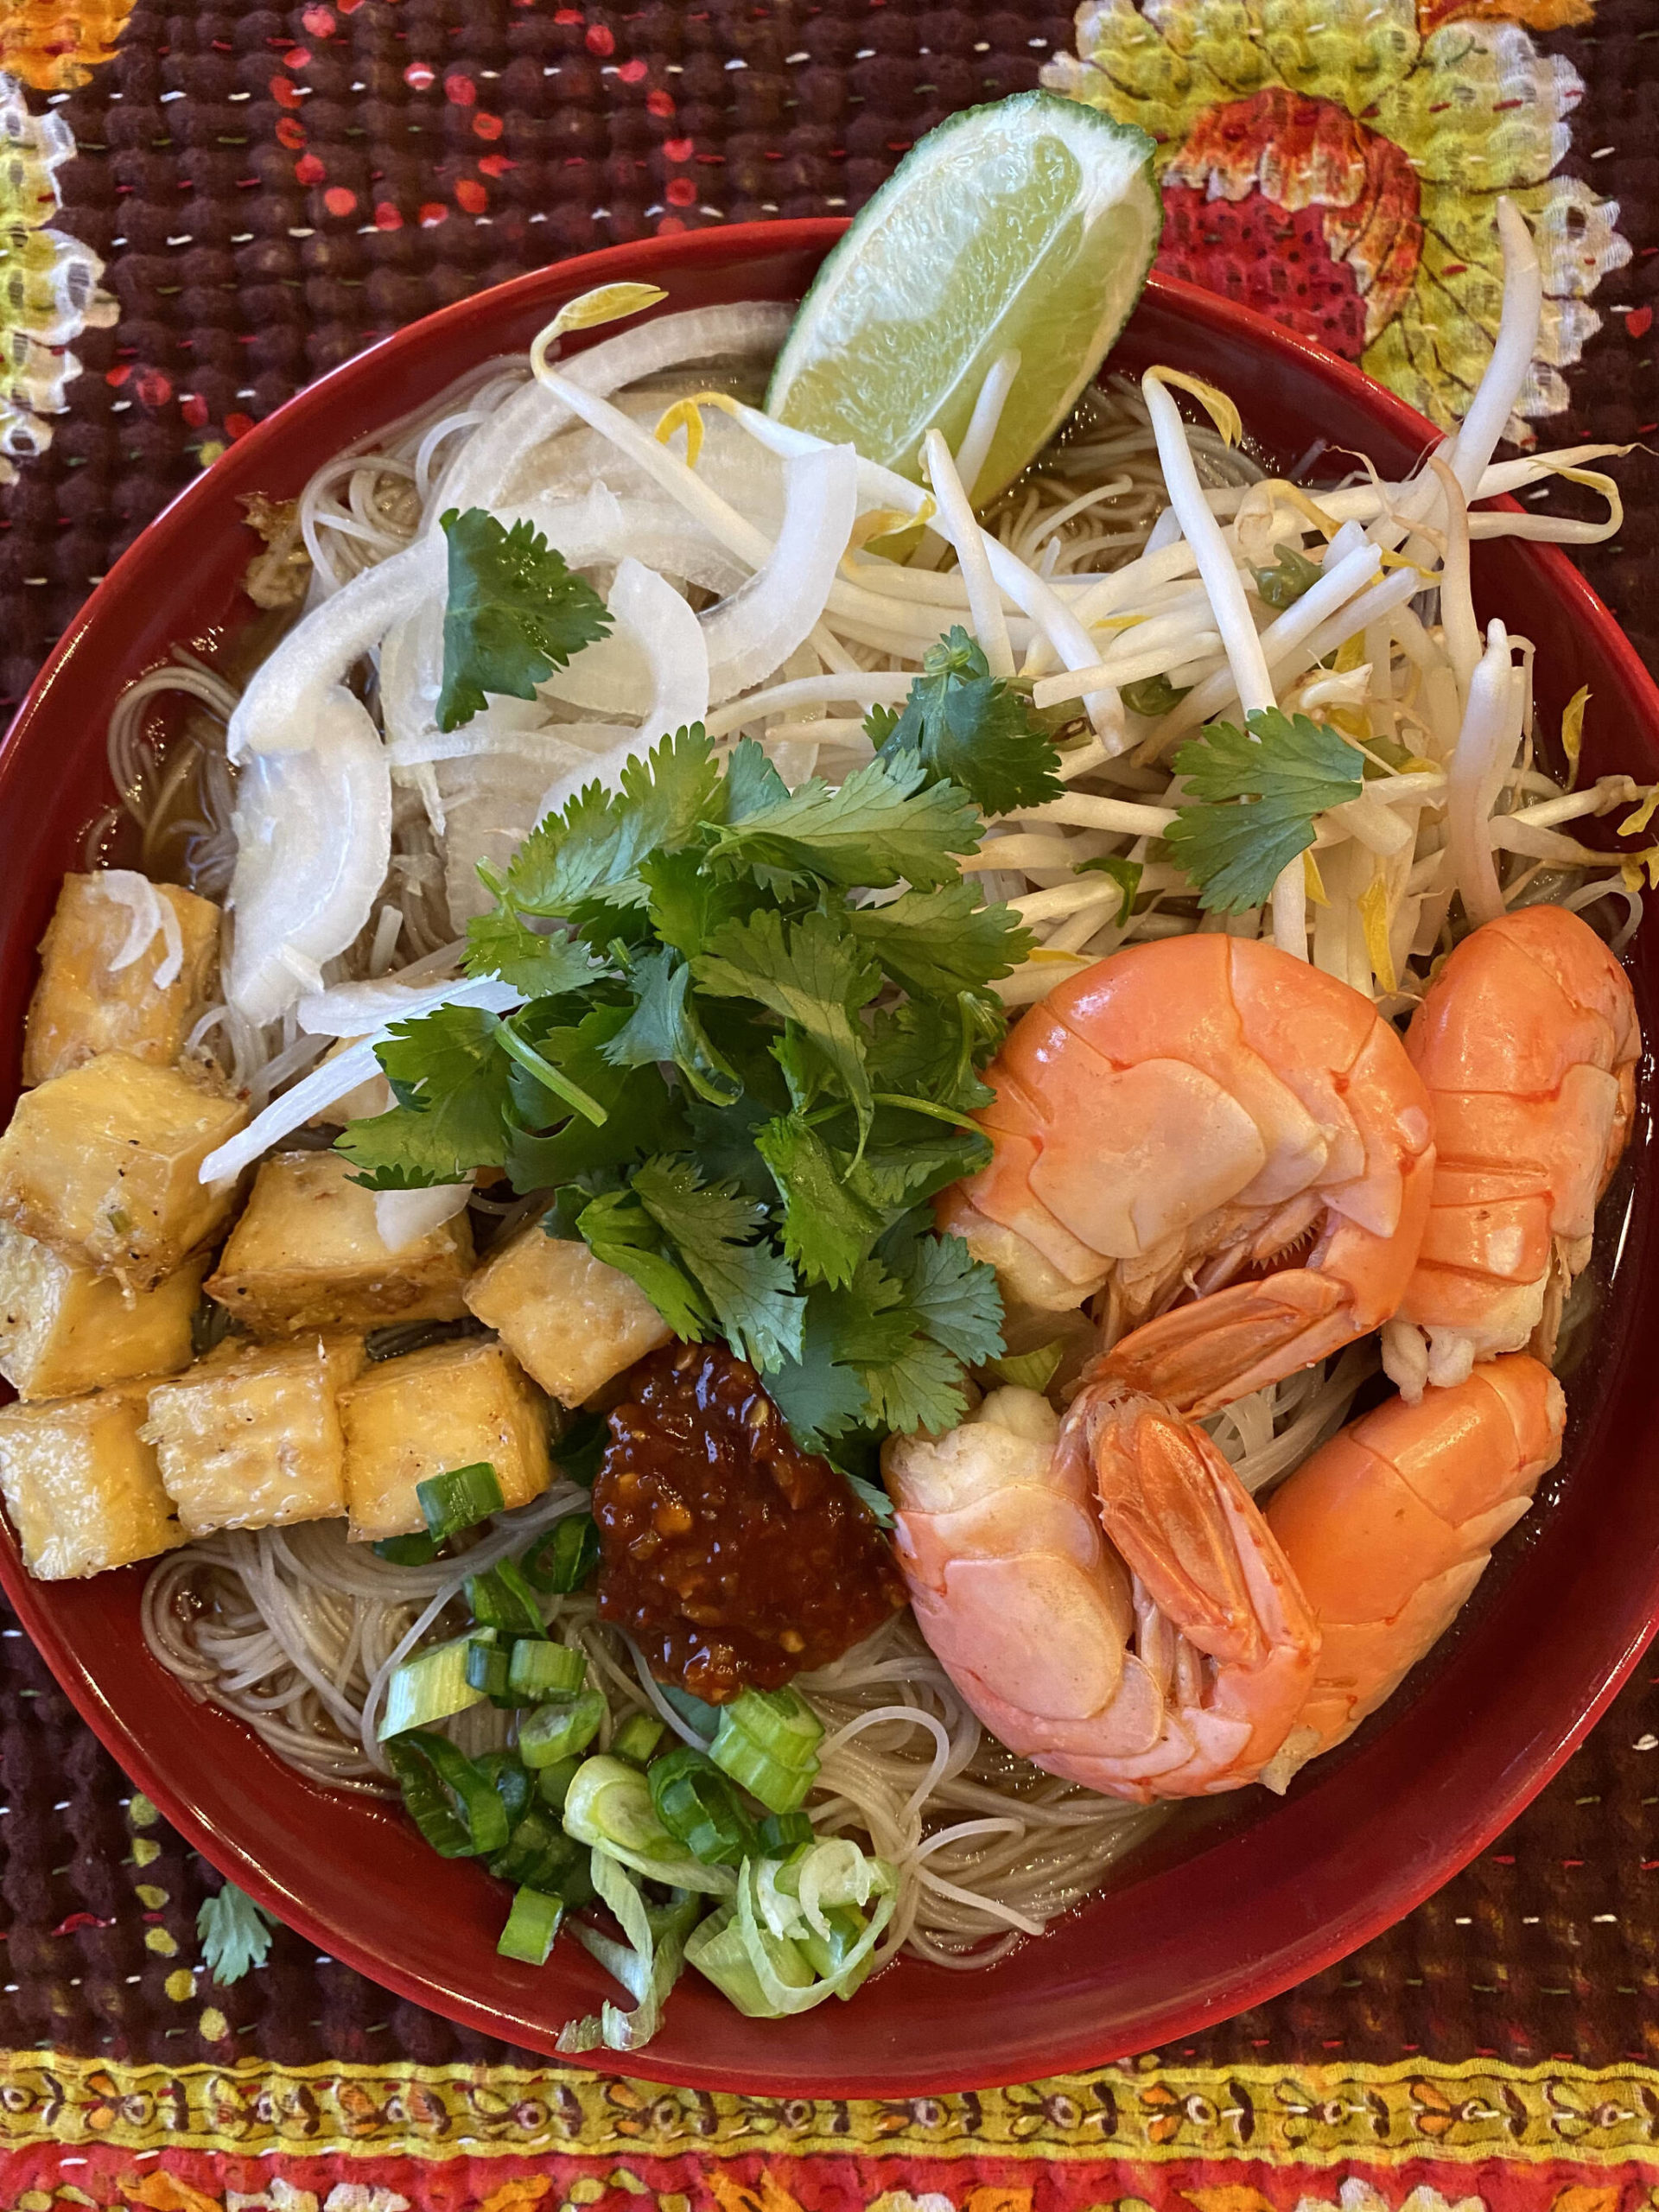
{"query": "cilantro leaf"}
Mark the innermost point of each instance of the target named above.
(971, 730)
(451, 1082)
(1253, 803)
(809, 972)
(944, 940)
(880, 827)
(955, 1298)
(932, 1048)
(827, 1228)
(819, 1395)
(874, 1500)
(594, 847)
(502, 944)
(687, 904)
(749, 1285)
(234, 1934)
(752, 784)
(920, 1389)
(616, 1229)
(663, 1025)
(515, 613)
(642, 1115)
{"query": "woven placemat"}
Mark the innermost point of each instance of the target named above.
(269, 190)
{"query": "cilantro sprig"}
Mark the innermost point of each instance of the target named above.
(1254, 794)
(964, 727)
(515, 613)
(743, 1071)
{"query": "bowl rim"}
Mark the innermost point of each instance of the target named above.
(241, 465)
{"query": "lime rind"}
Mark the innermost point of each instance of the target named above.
(1029, 225)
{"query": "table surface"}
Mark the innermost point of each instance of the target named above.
(268, 189)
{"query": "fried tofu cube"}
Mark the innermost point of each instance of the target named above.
(432, 1411)
(81, 1484)
(91, 999)
(101, 1163)
(573, 1321)
(306, 1253)
(64, 1329)
(372, 1096)
(250, 1437)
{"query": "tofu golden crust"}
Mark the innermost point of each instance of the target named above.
(250, 1437)
(574, 1322)
(83, 1005)
(81, 1484)
(306, 1253)
(372, 1096)
(432, 1411)
(64, 1329)
(101, 1163)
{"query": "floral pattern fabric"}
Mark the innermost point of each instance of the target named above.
(1337, 163)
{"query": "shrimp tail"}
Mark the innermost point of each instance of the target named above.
(1199, 1357)
(1222, 1625)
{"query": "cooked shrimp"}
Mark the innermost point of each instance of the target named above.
(1203, 1115)
(1390, 1525)
(1104, 1594)
(1528, 1040)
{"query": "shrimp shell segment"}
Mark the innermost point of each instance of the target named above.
(1204, 1117)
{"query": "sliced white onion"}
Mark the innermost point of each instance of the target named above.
(338, 1075)
(755, 630)
(481, 471)
(403, 1217)
(671, 639)
(280, 711)
(150, 914)
(314, 837)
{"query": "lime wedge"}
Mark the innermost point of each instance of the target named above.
(1029, 224)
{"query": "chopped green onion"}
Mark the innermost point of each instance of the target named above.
(636, 1738)
(782, 1832)
(697, 1804)
(553, 1782)
(537, 1852)
(418, 1550)
(532, 1924)
(609, 1806)
(780, 1788)
(705, 1718)
(476, 1813)
(454, 1501)
(563, 1559)
(718, 1950)
(828, 1954)
(780, 1722)
(501, 1599)
(537, 1668)
(563, 1725)
(509, 1779)
(487, 1670)
(426, 1801)
(432, 1686)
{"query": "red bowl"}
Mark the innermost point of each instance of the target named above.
(1231, 1902)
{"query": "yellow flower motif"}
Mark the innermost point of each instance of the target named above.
(55, 45)
(1335, 164)
(48, 282)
